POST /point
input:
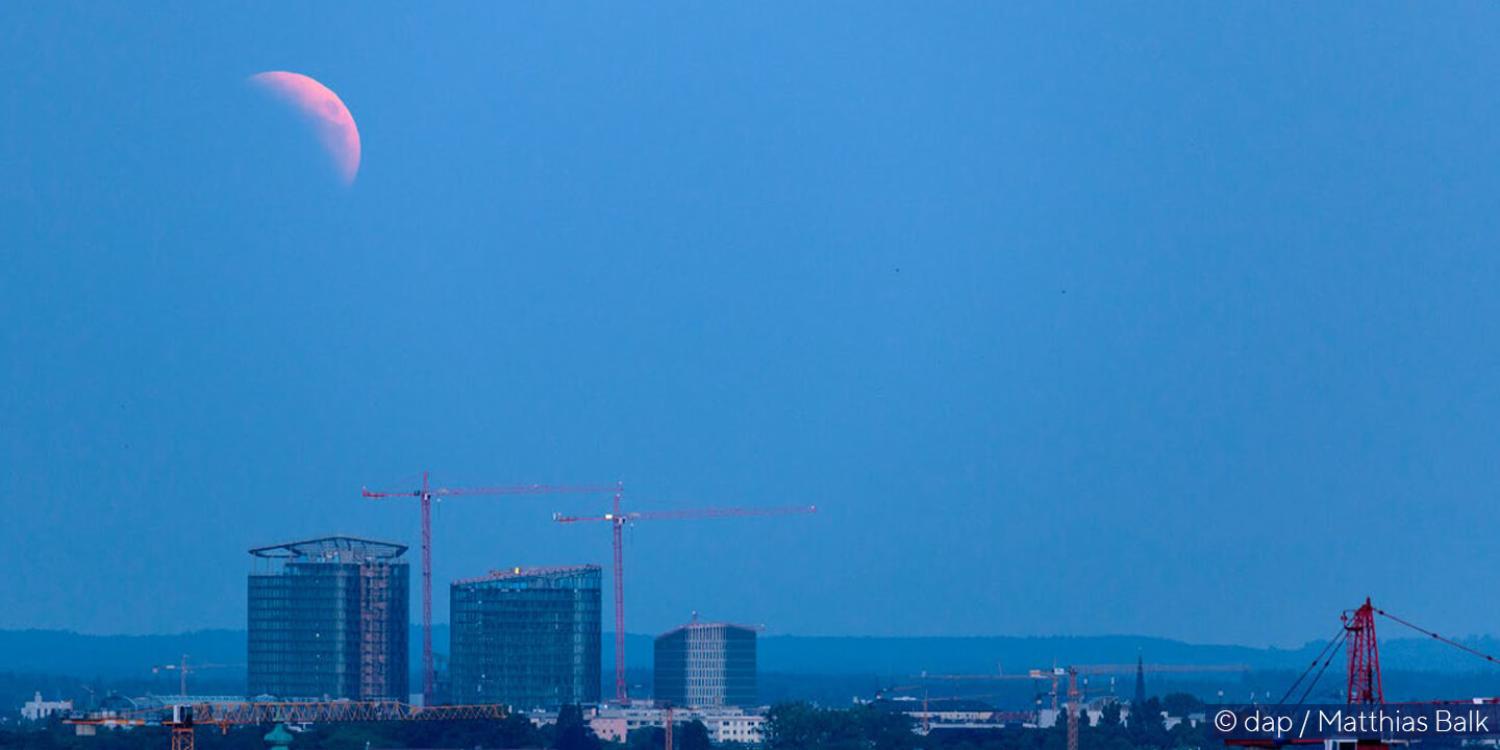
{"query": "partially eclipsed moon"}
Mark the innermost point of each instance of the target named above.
(335, 126)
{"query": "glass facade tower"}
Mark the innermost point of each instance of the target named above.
(705, 665)
(328, 619)
(527, 638)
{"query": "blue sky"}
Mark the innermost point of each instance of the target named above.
(1169, 319)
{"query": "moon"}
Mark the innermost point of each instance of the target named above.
(329, 117)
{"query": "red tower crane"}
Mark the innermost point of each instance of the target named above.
(617, 521)
(1364, 655)
(425, 495)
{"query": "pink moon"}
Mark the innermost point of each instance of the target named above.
(330, 118)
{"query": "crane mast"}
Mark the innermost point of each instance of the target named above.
(617, 519)
(425, 495)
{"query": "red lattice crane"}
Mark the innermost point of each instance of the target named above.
(425, 495)
(617, 520)
(1364, 655)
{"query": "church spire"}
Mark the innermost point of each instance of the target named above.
(1140, 680)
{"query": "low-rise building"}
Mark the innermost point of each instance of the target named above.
(956, 713)
(37, 709)
(743, 728)
(614, 724)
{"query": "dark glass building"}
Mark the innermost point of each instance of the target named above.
(528, 638)
(706, 664)
(328, 619)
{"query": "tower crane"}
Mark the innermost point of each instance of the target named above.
(667, 737)
(425, 496)
(617, 519)
(183, 669)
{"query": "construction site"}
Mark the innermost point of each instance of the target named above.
(1073, 702)
(327, 645)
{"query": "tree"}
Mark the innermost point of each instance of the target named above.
(1185, 735)
(692, 735)
(347, 736)
(1181, 704)
(799, 726)
(884, 730)
(572, 732)
(517, 731)
(646, 738)
(791, 726)
(1109, 715)
(1146, 727)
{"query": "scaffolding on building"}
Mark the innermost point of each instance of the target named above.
(328, 619)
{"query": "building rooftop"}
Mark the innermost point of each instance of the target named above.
(332, 549)
(696, 624)
(508, 574)
(909, 703)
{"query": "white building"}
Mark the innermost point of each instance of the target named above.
(37, 709)
(724, 724)
(742, 728)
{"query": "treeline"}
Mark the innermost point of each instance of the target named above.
(799, 726)
(789, 726)
(570, 732)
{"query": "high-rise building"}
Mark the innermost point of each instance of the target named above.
(706, 664)
(328, 619)
(528, 638)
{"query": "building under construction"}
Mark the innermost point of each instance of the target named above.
(329, 619)
(705, 665)
(528, 638)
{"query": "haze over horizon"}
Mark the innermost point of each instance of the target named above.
(1166, 320)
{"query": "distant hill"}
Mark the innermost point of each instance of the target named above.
(61, 652)
(839, 655)
(131, 657)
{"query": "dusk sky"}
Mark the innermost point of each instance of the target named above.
(1169, 319)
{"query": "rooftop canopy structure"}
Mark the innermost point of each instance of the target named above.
(343, 549)
(695, 624)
